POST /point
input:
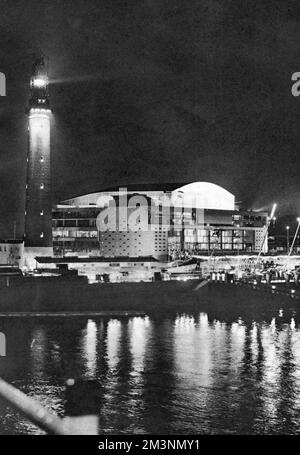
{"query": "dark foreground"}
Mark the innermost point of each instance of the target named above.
(40, 296)
(193, 373)
(221, 360)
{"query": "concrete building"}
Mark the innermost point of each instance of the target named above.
(166, 221)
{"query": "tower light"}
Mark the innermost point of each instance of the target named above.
(38, 233)
(39, 82)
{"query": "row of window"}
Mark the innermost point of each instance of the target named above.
(74, 233)
(87, 214)
(74, 223)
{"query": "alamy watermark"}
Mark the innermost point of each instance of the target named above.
(2, 84)
(137, 212)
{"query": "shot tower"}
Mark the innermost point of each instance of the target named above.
(38, 217)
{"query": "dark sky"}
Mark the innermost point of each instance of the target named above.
(153, 91)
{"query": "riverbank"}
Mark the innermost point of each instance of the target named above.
(62, 298)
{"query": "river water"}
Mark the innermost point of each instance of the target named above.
(181, 374)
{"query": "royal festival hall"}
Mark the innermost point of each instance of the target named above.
(163, 221)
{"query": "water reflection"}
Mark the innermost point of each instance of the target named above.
(191, 373)
(38, 352)
(89, 348)
(113, 343)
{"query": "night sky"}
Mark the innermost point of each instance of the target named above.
(154, 91)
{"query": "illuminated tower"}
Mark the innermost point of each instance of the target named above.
(38, 218)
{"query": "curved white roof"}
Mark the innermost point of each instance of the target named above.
(204, 195)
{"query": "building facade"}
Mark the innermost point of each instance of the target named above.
(167, 222)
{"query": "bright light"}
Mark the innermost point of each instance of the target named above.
(39, 110)
(298, 219)
(273, 210)
(39, 82)
(287, 228)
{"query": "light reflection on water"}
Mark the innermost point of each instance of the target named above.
(89, 349)
(183, 374)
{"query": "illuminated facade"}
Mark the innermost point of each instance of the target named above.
(38, 209)
(202, 218)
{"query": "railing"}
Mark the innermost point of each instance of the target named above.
(43, 418)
